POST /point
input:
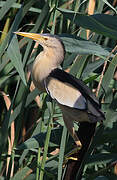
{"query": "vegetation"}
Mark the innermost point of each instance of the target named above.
(33, 138)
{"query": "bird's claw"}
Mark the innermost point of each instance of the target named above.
(69, 156)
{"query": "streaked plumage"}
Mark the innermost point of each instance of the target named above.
(75, 99)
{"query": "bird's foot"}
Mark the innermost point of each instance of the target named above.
(72, 155)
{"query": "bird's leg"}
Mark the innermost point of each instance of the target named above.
(70, 126)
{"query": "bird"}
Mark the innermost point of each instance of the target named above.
(75, 99)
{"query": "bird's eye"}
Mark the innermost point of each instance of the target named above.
(45, 38)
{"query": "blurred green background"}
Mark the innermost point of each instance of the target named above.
(33, 139)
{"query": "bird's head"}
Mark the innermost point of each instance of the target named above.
(52, 44)
(45, 40)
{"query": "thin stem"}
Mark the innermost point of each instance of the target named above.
(47, 140)
(38, 164)
(103, 71)
(101, 77)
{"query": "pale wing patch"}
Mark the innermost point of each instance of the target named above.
(65, 94)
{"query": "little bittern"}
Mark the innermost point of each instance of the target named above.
(75, 99)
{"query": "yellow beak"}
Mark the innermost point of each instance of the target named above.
(34, 36)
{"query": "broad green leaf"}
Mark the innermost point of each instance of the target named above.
(52, 166)
(4, 79)
(21, 174)
(4, 62)
(35, 132)
(101, 158)
(111, 114)
(92, 67)
(100, 23)
(92, 77)
(17, 5)
(15, 57)
(7, 5)
(109, 73)
(107, 136)
(78, 66)
(31, 96)
(38, 140)
(7, 68)
(82, 46)
(68, 60)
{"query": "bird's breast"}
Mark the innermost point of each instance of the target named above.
(38, 77)
(40, 71)
(43, 65)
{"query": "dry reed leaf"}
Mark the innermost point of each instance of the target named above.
(91, 9)
(115, 75)
(27, 174)
(67, 70)
(56, 151)
(114, 3)
(115, 169)
(11, 141)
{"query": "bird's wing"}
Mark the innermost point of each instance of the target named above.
(72, 92)
(64, 93)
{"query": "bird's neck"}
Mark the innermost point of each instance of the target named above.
(45, 62)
